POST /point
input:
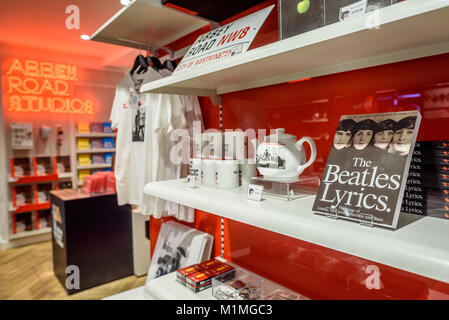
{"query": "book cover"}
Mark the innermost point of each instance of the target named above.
(367, 168)
(96, 143)
(107, 128)
(21, 167)
(108, 143)
(96, 127)
(63, 164)
(97, 158)
(83, 143)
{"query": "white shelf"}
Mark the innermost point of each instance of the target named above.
(95, 166)
(65, 175)
(147, 21)
(98, 150)
(420, 244)
(27, 234)
(408, 30)
(167, 288)
(95, 135)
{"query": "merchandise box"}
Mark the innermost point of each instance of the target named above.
(84, 159)
(43, 192)
(43, 166)
(108, 143)
(83, 143)
(63, 164)
(237, 284)
(202, 280)
(96, 127)
(108, 158)
(22, 222)
(107, 128)
(22, 195)
(96, 143)
(82, 174)
(83, 127)
(44, 218)
(20, 167)
(98, 158)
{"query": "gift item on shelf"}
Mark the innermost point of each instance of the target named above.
(195, 167)
(23, 222)
(247, 171)
(339, 10)
(213, 148)
(208, 171)
(305, 186)
(63, 164)
(202, 280)
(84, 159)
(98, 158)
(44, 131)
(43, 166)
(96, 143)
(296, 17)
(22, 136)
(96, 127)
(83, 127)
(108, 143)
(106, 127)
(22, 195)
(280, 157)
(227, 174)
(43, 192)
(44, 218)
(178, 246)
(20, 167)
(366, 171)
(237, 284)
(83, 143)
(183, 273)
(108, 158)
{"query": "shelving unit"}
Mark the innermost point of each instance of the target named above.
(102, 150)
(95, 166)
(95, 135)
(420, 244)
(145, 21)
(408, 30)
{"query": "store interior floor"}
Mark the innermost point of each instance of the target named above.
(27, 273)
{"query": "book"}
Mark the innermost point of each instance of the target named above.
(108, 157)
(366, 172)
(44, 166)
(23, 222)
(97, 158)
(96, 143)
(107, 128)
(22, 195)
(96, 127)
(44, 217)
(63, 164)
(20, 167)
(83, 127)
(108, 143)
(83, 143)
(43, 192)
(178, 246)
(84, 159)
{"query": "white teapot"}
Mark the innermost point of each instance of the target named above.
(280, 157)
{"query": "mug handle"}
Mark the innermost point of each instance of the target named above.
(312, 145)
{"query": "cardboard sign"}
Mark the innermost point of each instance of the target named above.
(223, 42)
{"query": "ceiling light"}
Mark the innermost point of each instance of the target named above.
(125, 2)
(85, 37)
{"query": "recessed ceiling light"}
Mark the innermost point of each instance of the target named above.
(125, 2)
(85, 37)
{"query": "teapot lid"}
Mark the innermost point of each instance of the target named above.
(280, 135)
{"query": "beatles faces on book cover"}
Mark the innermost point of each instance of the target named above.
(366, 171)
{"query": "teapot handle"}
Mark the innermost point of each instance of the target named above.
(312, 158)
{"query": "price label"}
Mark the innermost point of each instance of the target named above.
(191, 181)
(255, 192)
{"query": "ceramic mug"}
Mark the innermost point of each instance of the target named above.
(213, 148)
(227, 174)
(198, 145)
(208, 172)
(195, 168)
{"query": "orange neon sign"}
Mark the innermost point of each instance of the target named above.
(33, 86)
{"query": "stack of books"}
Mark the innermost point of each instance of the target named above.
(427, 189)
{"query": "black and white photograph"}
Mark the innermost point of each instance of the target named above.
(270, 159)
(139, 125)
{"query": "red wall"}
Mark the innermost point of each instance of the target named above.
(315, 271)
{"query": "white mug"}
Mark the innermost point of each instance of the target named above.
(235, 145)
(195, 168)
(214, 145)
(248, 170)
(198, 145)
(227, 174)
(208, 172)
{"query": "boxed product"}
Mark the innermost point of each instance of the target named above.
(296, 17)
(22, 195)
(84, 159)
(108, 143)
(83, 143)
(110, 183)
(63, 164)
(96, 143)
(96, 127)
(82, 174)
(44, 217)
(238, 284)
(107, 127)
(20, 167)
(202, 280)
(97, 158)
(44, 166)
(23, 222)
(108, 158)
(183, 273)
(83, 127)
(43, 192)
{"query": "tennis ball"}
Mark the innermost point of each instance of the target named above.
(303, 6)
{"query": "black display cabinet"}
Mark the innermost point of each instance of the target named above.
(92, 233)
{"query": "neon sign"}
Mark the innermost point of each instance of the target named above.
(34, 86)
